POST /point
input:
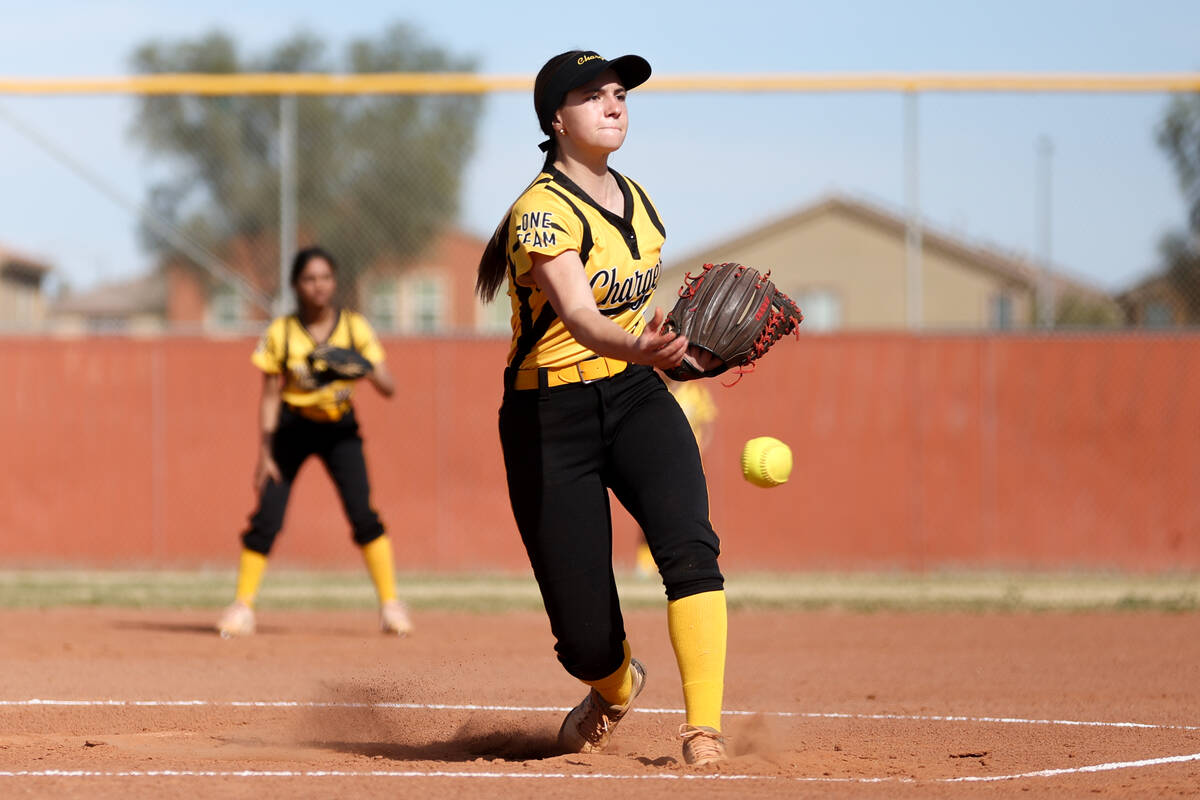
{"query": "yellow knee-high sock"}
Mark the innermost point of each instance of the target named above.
(617, 687)
(250, 573)
(698, 626)
(377, 553)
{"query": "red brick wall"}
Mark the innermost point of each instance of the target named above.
(910, 453)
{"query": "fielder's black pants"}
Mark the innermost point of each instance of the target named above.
(564, 448)
(340, 448)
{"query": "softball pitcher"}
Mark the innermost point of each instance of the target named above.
(584, 411)
(305, 411)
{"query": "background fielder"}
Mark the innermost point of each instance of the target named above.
(304, 413)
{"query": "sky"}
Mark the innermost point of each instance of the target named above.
(715, 164)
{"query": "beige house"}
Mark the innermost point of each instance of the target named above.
(22, 303)
(844, 263)
(136, 305)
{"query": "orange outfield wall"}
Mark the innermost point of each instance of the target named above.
(910, 452)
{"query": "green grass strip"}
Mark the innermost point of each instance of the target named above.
(864, 592)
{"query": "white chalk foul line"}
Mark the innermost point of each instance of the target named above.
(671, 711)
(959, 718)
(187, 773)
(1114, 765)
(1047, 773)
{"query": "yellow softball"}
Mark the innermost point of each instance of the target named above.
(766, 461)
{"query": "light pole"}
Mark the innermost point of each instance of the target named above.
(912, 228)
(287, 195)
(1045, 290)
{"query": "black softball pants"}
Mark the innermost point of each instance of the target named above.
(564, 448)
(340, 448)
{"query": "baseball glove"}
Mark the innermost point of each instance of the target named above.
(328, 363)
(731, 315)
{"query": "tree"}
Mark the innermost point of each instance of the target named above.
(1078, 310)
(1179, 137)
(376, 175)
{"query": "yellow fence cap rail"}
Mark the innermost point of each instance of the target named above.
(470, 83)
(272, 83)
(459, 83)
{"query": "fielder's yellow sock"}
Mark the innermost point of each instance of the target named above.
(250, 572)
(617, 687)
(698, 626)
(382, 569)
(645, 560)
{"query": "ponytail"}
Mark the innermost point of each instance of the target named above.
(493, 264)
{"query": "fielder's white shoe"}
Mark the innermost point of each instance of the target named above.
(394, 619)
(236, 620)
(588, 727)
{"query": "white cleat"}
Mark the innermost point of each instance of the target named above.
(702, 745)
(236, 620)
(394, 619)
(589, 726)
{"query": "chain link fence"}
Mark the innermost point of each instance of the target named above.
(891, 204)
(227, 189)
(998, 287)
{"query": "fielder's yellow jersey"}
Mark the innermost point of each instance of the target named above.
(698, 406)
(621, 255)
(285, 348)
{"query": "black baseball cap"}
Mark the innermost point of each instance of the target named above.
(574, 68)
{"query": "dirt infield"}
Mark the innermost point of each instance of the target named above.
(138, 704)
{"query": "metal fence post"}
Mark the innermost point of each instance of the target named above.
(287, 194)
(912, 233)
(1046, 289)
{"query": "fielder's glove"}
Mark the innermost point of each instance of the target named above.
(731, 315)
(328, 363)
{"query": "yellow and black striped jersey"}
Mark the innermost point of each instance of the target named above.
(620, 254)
(285, 348)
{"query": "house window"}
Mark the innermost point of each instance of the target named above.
(1000, 315)
(428, 306)
(225, 307)
(22, 305)
(822, 309)
(1157, 315)
(381, 304)
(106, 325)
(496, 316)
